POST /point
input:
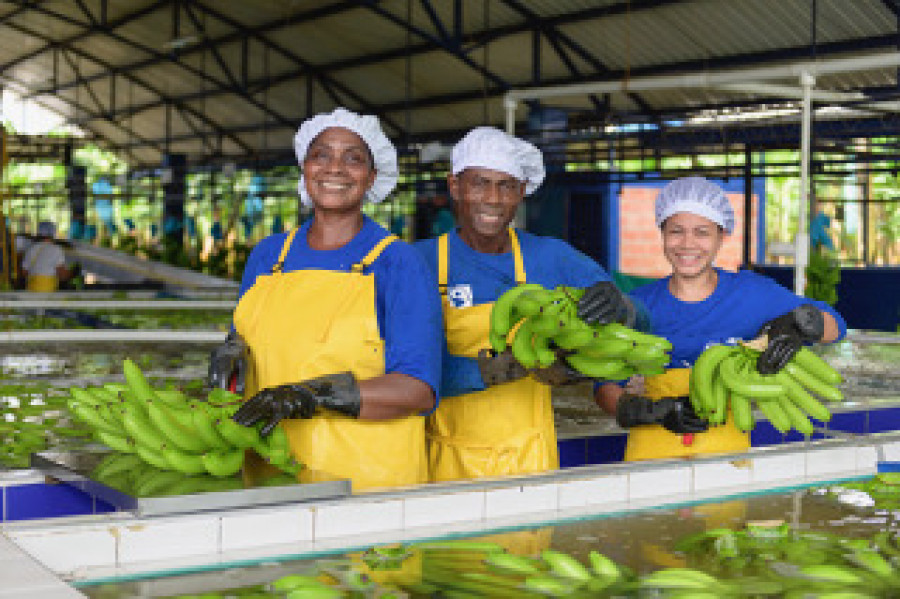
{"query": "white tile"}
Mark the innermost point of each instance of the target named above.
(65, 549)
(166, 539)
(891, 451)
(357, 517)
(266, 527)
(8, 549)
(601, 490)
(444, 508)
(866, 459)
(24, 573)
(659, 482)
(828, 461)
(52, 591)
(521, 500)
(713, 475)
(778, 466)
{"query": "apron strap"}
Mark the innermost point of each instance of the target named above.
(517, 257)
(284, 250)
(519, 263)
(373, 254)
(442, 265)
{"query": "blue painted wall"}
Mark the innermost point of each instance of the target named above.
(868, 298)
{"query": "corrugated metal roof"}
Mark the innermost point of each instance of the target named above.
(240, 75)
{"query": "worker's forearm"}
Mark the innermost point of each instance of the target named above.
(832, 331)
(394, 395)
(607, 397)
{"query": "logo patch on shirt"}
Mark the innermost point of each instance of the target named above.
(460, 296)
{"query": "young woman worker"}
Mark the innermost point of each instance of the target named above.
(699, 305)
(338, 325)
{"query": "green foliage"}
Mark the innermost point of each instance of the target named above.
(822, 276)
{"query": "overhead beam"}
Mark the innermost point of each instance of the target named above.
(130, 77)
(329, 83)
(468, 42)
(88, 31)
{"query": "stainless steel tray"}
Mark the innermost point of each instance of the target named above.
(75, 468)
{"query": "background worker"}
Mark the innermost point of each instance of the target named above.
(339, 320)
(699, 305)
(494, 418)
(44, 262)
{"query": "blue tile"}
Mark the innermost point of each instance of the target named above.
(765, 434)
(101, 507)
(792, 436)
(606, 449)
(887, 419)
(572, 452)
(849, 422)
(41, 500)
(2, 503)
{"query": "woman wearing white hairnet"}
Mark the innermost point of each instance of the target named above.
(699, 305)
(337, 332)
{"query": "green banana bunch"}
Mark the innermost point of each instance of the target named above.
(539, 325)
(725, 376)
(171, 432)
(33, 419)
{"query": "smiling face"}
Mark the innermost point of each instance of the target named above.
(690, 243)
(486, 202)
(338, 170)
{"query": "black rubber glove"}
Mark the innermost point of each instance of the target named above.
(338, 392)
(558, 374)
(675, 414)
(603, 303)
(499, 368)
(226, 361)
(787, 334)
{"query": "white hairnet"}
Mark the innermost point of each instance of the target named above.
(488, 147)
(46, 229)
(697, 196)
(367, 127)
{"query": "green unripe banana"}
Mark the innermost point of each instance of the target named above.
(598, 368)
(185, 463)
(502, 310)
(523, 346)
(565, 565)
(225, 463)
(238, 436)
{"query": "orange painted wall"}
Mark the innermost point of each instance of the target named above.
(640, 244)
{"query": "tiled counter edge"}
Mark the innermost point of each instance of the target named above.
(24, 578)
(81, 547)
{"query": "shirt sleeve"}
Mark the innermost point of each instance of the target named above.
(781, 300)
(577, 268)
(409, 314)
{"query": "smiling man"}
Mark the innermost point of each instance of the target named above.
(495, 417)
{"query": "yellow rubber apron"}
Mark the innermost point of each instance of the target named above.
(41, 283)
(652, 441)
(308, 323)
(505, 429)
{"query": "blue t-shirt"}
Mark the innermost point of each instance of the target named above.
(407, 303)
(740, 305)
(475, 278)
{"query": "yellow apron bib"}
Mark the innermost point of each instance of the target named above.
(308, 323)
(652, 441)
(505, 429)
(42, 283)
